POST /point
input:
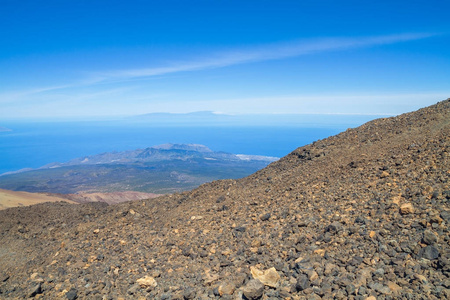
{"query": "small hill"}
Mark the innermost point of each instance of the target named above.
(13, 199)
(110, 198)
(10, 199)
(360, 215)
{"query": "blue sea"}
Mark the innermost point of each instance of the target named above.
(32, 145)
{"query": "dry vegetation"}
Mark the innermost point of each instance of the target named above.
(13, 199)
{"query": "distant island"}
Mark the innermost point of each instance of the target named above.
(159, 169)
(210, 118)
(4, 129)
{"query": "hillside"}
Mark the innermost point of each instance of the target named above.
(109, 198)
(360, 215)
(13, 199)
(10, 199)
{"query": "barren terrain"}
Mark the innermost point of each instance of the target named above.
(12, 199)
(360, 215)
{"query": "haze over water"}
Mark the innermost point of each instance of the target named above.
(78, 60)
(37, 144)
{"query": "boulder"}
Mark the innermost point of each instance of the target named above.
(269, 277)
(147, 282)
(254, 289)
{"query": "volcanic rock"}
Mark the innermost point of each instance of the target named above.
(429, 237)
(37, 289)
(269, 277)
(429, 252)
(226, 288)
(302, 283)
(253, 290)
(406, 208)
(336, 229)
(72, 294)
(146, 282)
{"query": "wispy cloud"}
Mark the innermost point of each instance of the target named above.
(10, 97)
(59, 95)
(257, 54)
(222, 59)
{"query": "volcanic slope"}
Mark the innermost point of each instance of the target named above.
(360, 215)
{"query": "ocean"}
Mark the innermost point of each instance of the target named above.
(32, 145)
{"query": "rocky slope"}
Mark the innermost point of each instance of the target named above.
(361, 215)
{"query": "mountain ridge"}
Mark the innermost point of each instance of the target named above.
(153, 153)
(159, 169)
(360, 215)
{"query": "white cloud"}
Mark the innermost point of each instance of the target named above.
(11, 97)
(256, 54)
(97, 86)
(228, 58)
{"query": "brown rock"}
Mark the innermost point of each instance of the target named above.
(395, 288)
(384, 174)
(239, 279)
(329, 267)
(269, 277)
(320, 252)
(421, 278)
(313, 275)
(406, 208)
(209, 278)
(226, 288)
(436, 219)
(147, 282)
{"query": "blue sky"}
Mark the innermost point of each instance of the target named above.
(71, 59)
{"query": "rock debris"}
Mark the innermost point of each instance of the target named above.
(360, 215)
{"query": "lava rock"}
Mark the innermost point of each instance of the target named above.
(265, 217)
(189, 294)
(334, 228)
(429, 237)
(226, 288)
(254, 289)
(302, 282)
(35, 290)
(72, 294)
(429, 252)
(406, 209)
